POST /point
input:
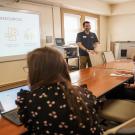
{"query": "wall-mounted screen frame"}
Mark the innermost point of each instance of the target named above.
(20, 33)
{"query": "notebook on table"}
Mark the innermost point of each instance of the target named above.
(8, 108)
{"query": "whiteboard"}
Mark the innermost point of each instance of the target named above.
(19, 34)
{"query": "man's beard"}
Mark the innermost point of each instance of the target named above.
(87, 29)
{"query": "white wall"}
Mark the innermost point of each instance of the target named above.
(103, 33)
(123, 8)
(122, 22)
(57, 22)
(122, 28)
(12, 71)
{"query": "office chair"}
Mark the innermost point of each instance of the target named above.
(108, 56)
(126, 128)
(117, 110)
(96, 59)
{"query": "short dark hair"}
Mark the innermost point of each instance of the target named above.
(85, 23)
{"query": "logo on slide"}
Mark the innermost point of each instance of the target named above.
(11, 34)
(29, 34)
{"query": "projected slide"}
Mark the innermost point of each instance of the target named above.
(19, 33)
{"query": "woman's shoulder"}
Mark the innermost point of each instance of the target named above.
(83, 90)
(86, 94)
(39, 90)
(23, 92)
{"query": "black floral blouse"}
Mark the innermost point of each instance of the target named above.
(45, 111)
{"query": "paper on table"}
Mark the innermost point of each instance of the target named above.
(118, 74)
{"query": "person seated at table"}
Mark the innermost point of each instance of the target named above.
(54, 106)
(130, 72)
(126, 91)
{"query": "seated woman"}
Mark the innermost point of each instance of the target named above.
(54, 106)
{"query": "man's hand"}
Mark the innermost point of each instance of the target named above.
(91, 52)
(132, 86)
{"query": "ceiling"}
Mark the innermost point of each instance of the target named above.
(52, 2)
(45, 1)
(116, 1)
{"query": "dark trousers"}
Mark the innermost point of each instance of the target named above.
(121, 92)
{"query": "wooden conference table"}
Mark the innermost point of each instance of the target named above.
(98, 81)
(123, 64)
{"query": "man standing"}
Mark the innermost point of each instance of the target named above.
(87, 42)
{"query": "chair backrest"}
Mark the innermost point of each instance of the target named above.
(130, 52)
(127, 128)
(96, 59)
(108, 56)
